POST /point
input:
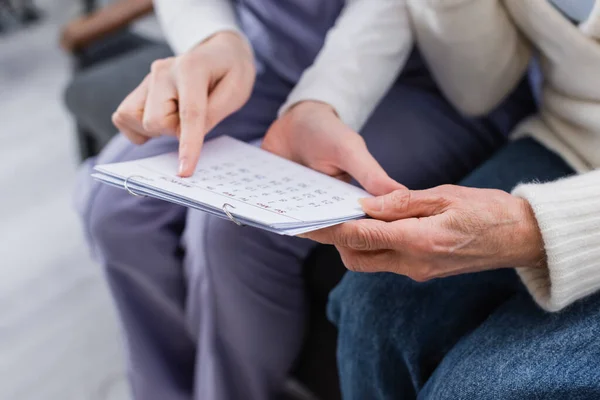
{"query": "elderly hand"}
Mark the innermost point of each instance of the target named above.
(444, 231)
(312, 134)
(186, 96)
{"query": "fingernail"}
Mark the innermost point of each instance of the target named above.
(372, 203)
(182, 166)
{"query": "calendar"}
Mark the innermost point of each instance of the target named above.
(245, 184)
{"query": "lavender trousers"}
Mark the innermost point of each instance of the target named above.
(212, 311)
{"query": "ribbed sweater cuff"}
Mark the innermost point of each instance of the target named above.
(568, 214)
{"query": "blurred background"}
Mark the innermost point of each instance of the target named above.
(58, 331)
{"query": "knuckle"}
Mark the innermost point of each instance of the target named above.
(446, 193)
(401, 199)
(158, 66)
(153, 124)
(381, 237)
(418, 277)
(148, 125)
(119, 117)
(446, 188)
(420, 274)
(188, 62)
(370, 238)
(361, 239)
(116, 119)
(189, 113)
(441, 198)
(135, 139)
(125, 110)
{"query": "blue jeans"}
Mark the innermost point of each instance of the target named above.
(473, 336)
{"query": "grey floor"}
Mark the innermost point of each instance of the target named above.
(58, 332)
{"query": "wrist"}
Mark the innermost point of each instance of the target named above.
(311, 106)
(227, 38)
(529, 238)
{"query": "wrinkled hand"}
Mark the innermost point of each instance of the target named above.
(444, 231)
(312, 134)
(186, 96)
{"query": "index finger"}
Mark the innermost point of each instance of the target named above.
(192, 87)
(323, 236)
(363, 235)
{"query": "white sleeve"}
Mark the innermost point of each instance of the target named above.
(186, 23)
(360, 60)
(568, 213)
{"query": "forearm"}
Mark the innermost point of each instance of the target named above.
(473, 49)
(83, 31)
(360, 60)
(568, 214)
(121, 13)
(189, 22)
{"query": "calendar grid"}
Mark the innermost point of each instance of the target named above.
(295, 198)
(178, 181)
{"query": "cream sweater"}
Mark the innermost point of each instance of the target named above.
(478, 50)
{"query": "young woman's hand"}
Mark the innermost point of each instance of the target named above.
(444, 231)
(186, 96)
(311, 134)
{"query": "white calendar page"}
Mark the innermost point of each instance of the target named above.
(259, 186)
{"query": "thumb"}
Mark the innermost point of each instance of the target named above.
(362, 166)
(405, 203)
(275, 140)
